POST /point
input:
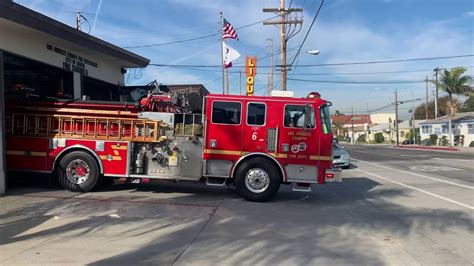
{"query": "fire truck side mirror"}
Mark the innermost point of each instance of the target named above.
(307, 116)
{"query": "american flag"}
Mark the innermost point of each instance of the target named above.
(228, 31)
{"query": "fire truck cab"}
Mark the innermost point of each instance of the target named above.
(256, 143)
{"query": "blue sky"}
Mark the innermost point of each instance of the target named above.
(346, 31)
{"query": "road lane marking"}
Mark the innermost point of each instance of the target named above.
(411, 173)
(434, 168)
(385, 155)
(418, 189)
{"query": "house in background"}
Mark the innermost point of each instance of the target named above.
(406, 126)
(462, 124)
(384, 128)
(382, 118)
(366, 125)
(466, 129)
(345, 124)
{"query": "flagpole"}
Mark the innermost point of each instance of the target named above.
(222, 50)
(227, 81)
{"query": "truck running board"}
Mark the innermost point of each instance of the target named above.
(216, 181)
(301, 187)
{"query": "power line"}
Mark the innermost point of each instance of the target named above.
(359, 82)
(334, 64)
(319, 74)
(194, 39)
(368, 73)
(390, 105)
(307, 33)
(389, 61)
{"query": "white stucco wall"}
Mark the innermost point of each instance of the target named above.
(30, 43)
(382, 118)
(463, 129)
(458, 129)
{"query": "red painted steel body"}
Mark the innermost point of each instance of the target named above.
(304, 146)
(235, 141)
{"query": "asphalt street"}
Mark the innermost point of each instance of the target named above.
(394, 207)
(444, 165)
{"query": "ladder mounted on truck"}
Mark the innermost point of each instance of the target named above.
(85, 127)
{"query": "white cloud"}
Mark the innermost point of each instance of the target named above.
(347, 38)
(469, 13)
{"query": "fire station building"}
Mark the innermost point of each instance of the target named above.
(51, 59)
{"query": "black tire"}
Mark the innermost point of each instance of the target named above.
(256, 165)
(74, 160)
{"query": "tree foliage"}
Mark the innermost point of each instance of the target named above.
(339, 128)
(442, 108)
(455, 82)
(378, 137)
(468, 105)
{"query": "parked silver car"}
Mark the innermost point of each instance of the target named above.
(341, 157)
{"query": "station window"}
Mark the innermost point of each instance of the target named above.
(256, 114)
(98, 90)
(295, 116)
(24, 76)
(226, 113)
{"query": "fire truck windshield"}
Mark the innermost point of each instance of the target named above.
(326, 119)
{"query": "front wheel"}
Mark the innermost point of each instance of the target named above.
(78, 171)
(257, 180)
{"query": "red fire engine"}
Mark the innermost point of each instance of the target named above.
(253, 142)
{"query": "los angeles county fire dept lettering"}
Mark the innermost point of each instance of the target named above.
(299, 136)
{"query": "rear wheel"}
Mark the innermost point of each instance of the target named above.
(257, 180)
(78, 171)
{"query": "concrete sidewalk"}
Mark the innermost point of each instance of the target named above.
(362, 221)
(42, 226)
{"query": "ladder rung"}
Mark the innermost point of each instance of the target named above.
(84, 127)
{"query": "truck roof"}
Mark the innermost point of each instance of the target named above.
(267, 98)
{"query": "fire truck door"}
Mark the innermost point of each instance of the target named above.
(298, 138)
(255, 130)
(224, 129)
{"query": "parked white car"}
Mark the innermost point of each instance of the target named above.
(341, 157)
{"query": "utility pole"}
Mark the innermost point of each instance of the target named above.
(436, 92)
(270, 75)
(352, 126)
(282, 11)
(426, 103)
(396, 116)
(78, 20)
(283, 45)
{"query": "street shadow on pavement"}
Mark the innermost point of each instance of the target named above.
(339, 223)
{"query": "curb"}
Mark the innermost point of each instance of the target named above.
(426, 148)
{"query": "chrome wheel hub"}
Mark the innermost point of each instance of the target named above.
(257, 180)
(77, 171)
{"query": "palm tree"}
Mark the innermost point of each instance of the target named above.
(338, 128)
(455, 82)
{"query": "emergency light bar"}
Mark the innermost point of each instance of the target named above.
(282, 93)
(314, 95)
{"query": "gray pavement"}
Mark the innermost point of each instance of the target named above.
(384, 213)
